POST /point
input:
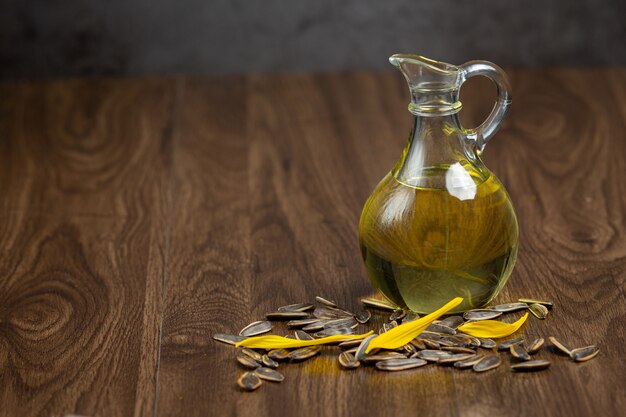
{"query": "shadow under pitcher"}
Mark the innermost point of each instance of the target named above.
(440, 224)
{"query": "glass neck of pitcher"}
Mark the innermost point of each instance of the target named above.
(436, 144)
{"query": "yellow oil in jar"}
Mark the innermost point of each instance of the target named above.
(423, 246)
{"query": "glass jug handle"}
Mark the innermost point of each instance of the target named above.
(488, 128)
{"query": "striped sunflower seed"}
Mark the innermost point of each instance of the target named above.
(458, 349)
(278, 354)
(535, 346)
(334, 331)
(383, 356)
(304, 353)
(302, 322)
(315, 326)
(539, 310)
(287, 315)
(440, 328)
(256, 328)
(363, 316)
(561, 346)
(380, 304)
(400, 364)
(360, 352)
(302, 335)
(456, 357)
(348, 361)
(518, 352)
(249, 381)
(269, 374)
(528, 366)
(326, 301)
(343, 322)
(585, 353)
(247, 361)
(269, 362)
(510, 307)
(297, 307)
(433, 355)
(230, 339)
(469, 362)
(487, 343)
(506, 345)
(452, 322)
(397, 314)
(487, 363)
(252, 354)
(532, 301)
(481, 314)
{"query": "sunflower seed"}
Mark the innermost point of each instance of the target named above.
(349, 344)
(419, 344)
(247, 361)
(325, 301)
(383, 356)
(345, 322)
(490, 361)
(431, 344)
(330, 313)
(481, 314)
(252, 354)
(290, 336)
(452, 322)
(269, 374)
(456, 357)
(535, 346)
(433, 355)
(560, 345)
(249, 381)
(510, 307)
(315, 326)
(334, 331)
(304, 353)
(301, 335)
(389, 326)
(296, 307)
(255, 328)
(518, 352)
(302, 322)
(469, 362)
(585, 353)
(487, 343)
(459, 340)
(409, 349)
(430, 335)
(440, 328)
(360, 352)
(410, 316)
(348, 361)
(400, 364)
(269, 362)
(230, 339)
(287, 315)
(457, 349)
(278, 354)
(397, 314)
(534, 365)
(474, 342)
(539, 310)
(363, 316)
(506, 345)
(531, 301)
(381, 304)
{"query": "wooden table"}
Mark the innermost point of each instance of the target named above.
(139, 217)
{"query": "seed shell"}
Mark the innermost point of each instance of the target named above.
(510, 307)
(585, 353)
(374, 303)
(249, 381)
(269, 374)
(247, 361)
(330, 313)
(487, 343)
(532, 301)
(297, 307)
(302, 335)
(348, 361)
(360, 352)
(334, 331)
(539, 310)
(302, 322)
(528, 366)
(397, 314)
(325, 301)
(456, 357)
(440, 328)
(383, 356)
(304, 353)
(535, 346)
(452, 322)
(419, 344)
(230, 339)
(363, 316)
(506, 345)
(252, 354)
(343, 322)
(278, 354)
(481, 314)
(287, 315)
(469, 362)
(487, 363)
(518, 352)
(349, 344)
(400, 364)
(561, 346)
(315, 326)
(458, 349)
(433, 355)
(269, 362)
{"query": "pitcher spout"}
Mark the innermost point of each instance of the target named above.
(434, 85)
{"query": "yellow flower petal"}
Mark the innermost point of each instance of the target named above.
(492, 329)
(279, 342)
(404, 333)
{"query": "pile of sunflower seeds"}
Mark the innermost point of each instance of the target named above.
(439, 344)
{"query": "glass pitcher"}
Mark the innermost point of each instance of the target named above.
(440, 224)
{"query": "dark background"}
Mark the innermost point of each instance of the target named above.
(53, 38)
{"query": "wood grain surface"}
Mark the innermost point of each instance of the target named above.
(140, 217)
